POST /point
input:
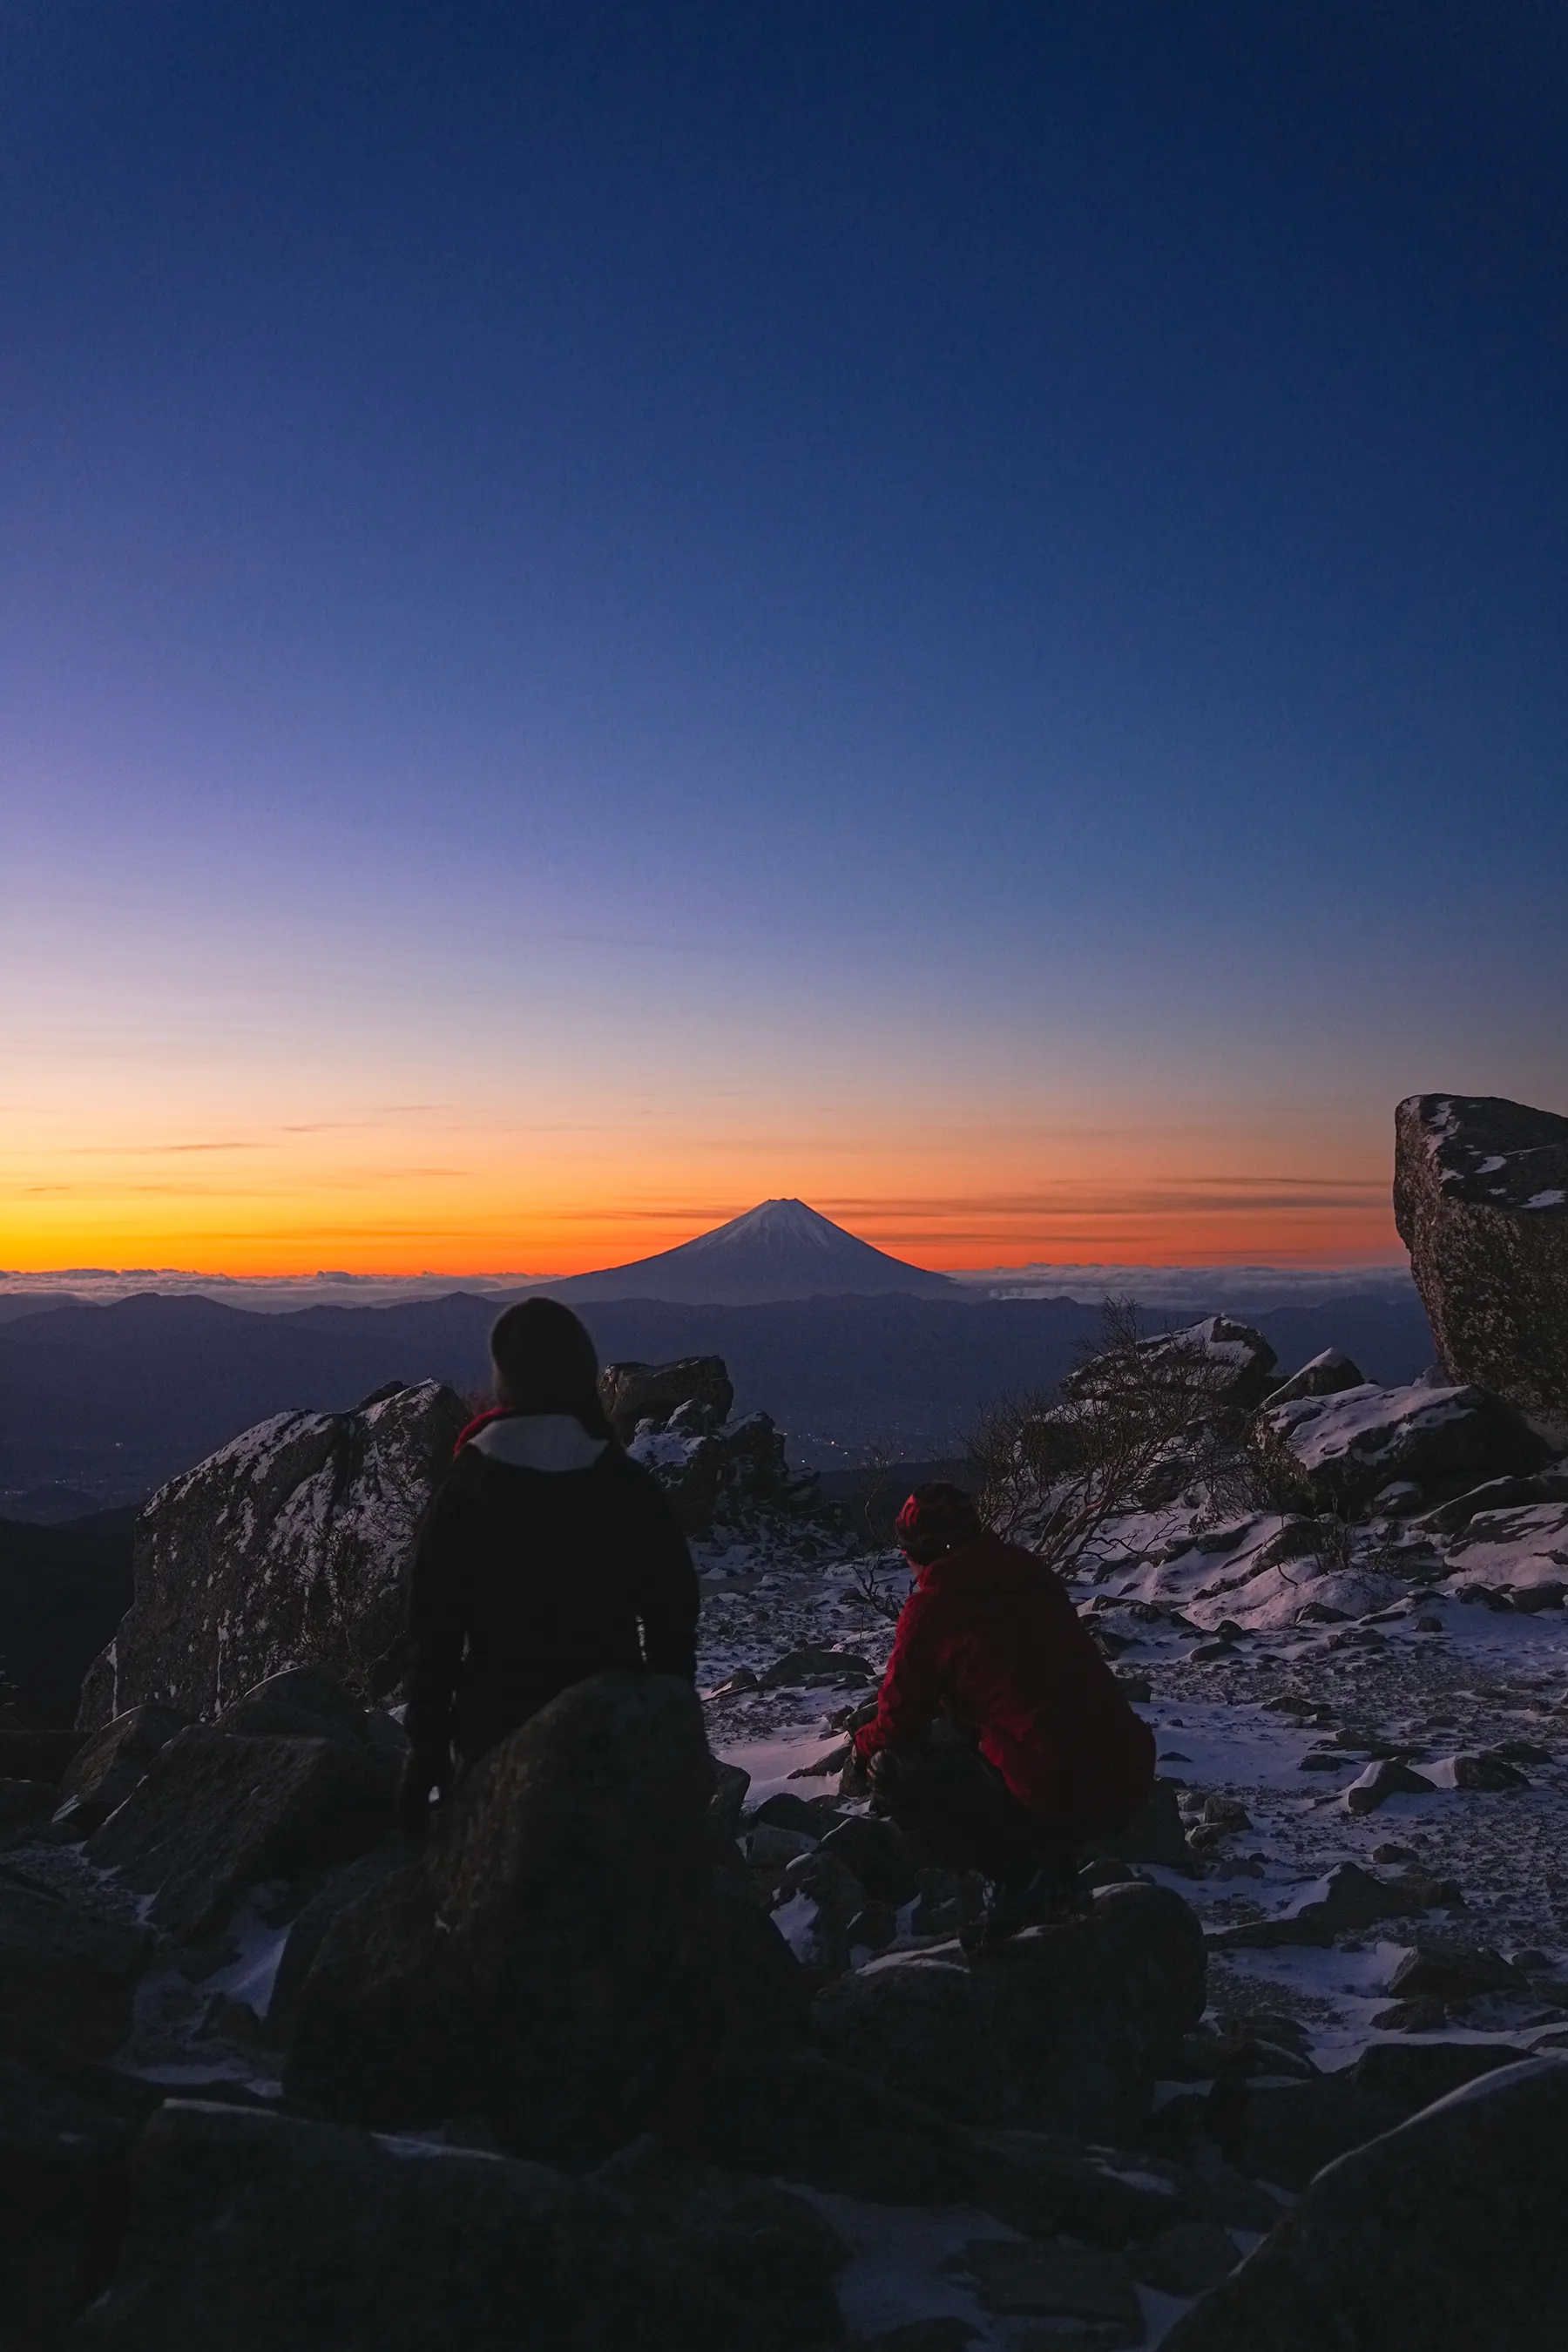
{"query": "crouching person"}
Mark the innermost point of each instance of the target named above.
(1002, 1740)
(547, 1555)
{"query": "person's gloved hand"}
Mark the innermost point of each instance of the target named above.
(425, 1770)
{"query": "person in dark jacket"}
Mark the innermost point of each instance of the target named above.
(1001, 1737)
(546, 1554)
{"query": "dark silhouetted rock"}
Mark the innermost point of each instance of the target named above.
(567, 1957)
(263, 2231)
(216, 1814)
(877, 1855)
(1155, 1833)
(308, 1703)
(282, 1549)
(1342, 1449)
(66, 1973)
(1065, 2028)
(633, 1393)
(812, 1668)
(103, 1772)
(62, 2169)
(1445, 2232)
(1323, 1375)
(1480, 1198)
(795, 2115)
(771, 2254)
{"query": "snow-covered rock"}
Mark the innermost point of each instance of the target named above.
(1345, 1449)
(1480, 1198)
(1233, 1360)
(284, 1549)
(717, 1473)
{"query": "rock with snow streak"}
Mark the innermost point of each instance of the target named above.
(1443, 2232)
(1321, 1375)
(632, 1393)
(1286, 2132)
(265, 2230)
(284, 1549)
(1344, 1450)
(217, 1814)
(566, 1957)
(1480, 1198)
(102, 1774)
(1064, 2029)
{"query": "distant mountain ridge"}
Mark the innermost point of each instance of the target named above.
(780, 1250)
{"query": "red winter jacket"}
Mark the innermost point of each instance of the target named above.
(990, 1637)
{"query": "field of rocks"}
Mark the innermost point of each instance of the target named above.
(664, 2039)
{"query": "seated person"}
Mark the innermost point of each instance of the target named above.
(1002, 1740)
(547, 1555)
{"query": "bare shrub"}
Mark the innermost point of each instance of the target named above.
(1123, 1433)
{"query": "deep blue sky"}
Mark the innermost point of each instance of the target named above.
(927, 606)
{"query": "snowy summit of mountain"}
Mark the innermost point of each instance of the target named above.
(781, 1249)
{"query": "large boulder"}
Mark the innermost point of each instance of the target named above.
(632, 1393)
(1325, 1374)
(67, 1973)
(1065, 2028)
(1344, 1449)
(1480, 1198)
(101, 1775)
(1223, 1361)
(1446, 2232)
(62, 2169)
(217, 1814)
(568, 1955)
(717, 1472)
(284, 1549)
(260, 2232)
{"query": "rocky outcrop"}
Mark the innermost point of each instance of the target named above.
(1345, 1449)
(632, 1393)
(217, 1814)
(1480, 1198)
(1228, 1364)
(262, 2231)
(564, 1959)
(1443, 2232)
(282, 1549)
(1064, 2031)
(719, 1473)
(1323, 1375)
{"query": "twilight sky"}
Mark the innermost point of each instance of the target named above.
(605, 612)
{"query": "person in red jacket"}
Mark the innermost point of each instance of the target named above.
(1002, 1740)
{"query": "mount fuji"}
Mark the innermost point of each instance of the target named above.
(780, 1250)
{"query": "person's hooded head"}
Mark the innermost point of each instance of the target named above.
(937, 1518)
(545, 1363)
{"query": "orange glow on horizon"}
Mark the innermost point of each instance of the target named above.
(1076, 1222)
